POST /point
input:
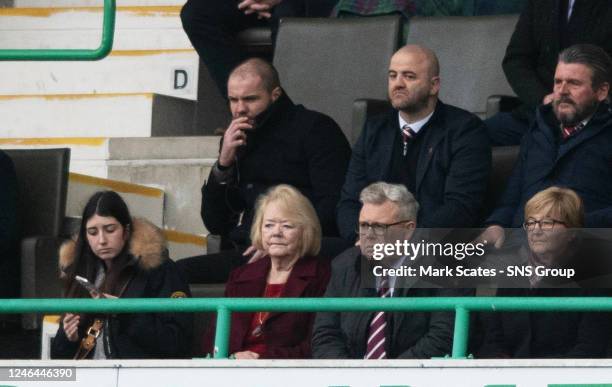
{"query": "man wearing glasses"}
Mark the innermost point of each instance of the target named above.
(388, 215)
(569, 145)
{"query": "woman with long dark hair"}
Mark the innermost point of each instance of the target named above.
(120, 257)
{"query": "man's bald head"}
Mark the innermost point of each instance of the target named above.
(256, 67)
(424, 54)
(414, 82)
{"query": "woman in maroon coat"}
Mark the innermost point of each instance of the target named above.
(287, 229)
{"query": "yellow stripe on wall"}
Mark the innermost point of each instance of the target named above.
(170, 10)
(74, 96)
(83, 141)
(182, 237)
(118, 186)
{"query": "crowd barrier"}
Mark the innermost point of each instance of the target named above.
(462, 306)
(106, 45)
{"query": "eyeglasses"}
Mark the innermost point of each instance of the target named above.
(545, 224)
(379, 229)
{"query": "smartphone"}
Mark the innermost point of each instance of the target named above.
(91, 288)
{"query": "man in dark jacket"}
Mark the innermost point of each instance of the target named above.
(269, 141)
(545, 28)
(439, 152)
(569, 144)
(212, 26)
(388, 215)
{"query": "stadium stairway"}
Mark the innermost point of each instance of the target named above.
(124, 117)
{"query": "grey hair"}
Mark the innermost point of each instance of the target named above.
(592, 56)
(378, 193)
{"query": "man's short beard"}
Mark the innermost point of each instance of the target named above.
(581, 112)
(411, 108)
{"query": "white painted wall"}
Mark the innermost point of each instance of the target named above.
(140, 73)
(80, 116)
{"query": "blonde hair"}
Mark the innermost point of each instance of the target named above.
(298, 209)
(563, 202)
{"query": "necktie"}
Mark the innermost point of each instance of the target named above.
(407, 135)
(375, 347)
(569, 131)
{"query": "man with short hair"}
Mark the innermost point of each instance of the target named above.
(439, 152)
(388, 214)
(569, 145)
(269, 141)
(544, 29)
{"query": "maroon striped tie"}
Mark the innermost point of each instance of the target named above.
(407, 135)
(375, 347)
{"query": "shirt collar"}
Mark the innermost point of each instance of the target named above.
(581, 125)
(415, 126)
(397, 264)
(570, 9)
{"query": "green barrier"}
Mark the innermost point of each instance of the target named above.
(108, 31)
(225, 306)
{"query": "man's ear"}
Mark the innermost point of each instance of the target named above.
(435, 85)
(603, 91)
(276, 93)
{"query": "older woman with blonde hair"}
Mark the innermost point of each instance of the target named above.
(553, 218)
(287, 229)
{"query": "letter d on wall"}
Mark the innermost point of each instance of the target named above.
(181, 79)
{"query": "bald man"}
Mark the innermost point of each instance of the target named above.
(439, 152)
(269, 141)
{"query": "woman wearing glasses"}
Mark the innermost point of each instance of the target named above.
(287, 229)
(552, 220)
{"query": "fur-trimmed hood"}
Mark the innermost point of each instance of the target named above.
(147, 243)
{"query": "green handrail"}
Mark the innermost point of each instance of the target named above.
(108, 31)
(225, 306)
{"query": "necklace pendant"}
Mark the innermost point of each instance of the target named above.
(258, 331)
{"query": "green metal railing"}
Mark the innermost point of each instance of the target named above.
(108, 31)
(462, 306)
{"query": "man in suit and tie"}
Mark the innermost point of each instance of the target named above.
(569, 144)
(389, 214)
(439, 152)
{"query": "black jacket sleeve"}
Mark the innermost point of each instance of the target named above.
(519, 63)
(439, 337)
(466, 179)
(355, 181)
(221, 205)
(155, 335)
(61, 347)
(327, 338)
(328, 153)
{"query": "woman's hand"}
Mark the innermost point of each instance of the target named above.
(246, 355)
(256, 254)
(71, 326)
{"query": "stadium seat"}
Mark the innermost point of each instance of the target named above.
(326, 64)
(42, 176)
(503, 160)
(470, 51)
